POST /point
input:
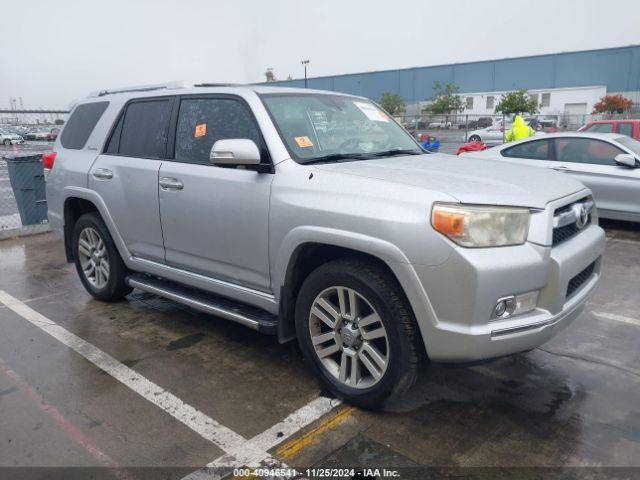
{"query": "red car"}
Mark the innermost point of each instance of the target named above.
(630, 128)
(53, 134)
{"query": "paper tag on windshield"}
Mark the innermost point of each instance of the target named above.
(372, 112)
(304, 142)
(200, 131)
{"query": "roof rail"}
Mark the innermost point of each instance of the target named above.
(212, 84)
(139, 88)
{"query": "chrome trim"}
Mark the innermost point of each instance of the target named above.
(193, 303)
(573, 215)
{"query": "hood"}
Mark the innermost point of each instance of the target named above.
(469, 180)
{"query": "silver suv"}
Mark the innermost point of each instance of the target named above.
(314, 215)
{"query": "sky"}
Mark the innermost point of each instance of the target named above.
(58, 51)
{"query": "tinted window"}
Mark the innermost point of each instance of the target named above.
(204, 121)
(81, 123)
(600, 128)
(625, 128)
(538, 149)
(145, 129)
(631, 143)
(585, 150)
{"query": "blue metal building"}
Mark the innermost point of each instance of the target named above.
(616, 68)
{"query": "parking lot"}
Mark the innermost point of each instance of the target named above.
(146, 386)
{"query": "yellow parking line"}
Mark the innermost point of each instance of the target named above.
(294, 446)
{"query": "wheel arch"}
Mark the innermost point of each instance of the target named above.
(304, 259)
(79, 201)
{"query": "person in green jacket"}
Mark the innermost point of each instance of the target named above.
(520, 130)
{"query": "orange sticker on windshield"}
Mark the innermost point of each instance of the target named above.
(304, 142)
(201, 130)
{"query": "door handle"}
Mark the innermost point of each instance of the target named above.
(560, 169)
(170, 183)
(103, 173)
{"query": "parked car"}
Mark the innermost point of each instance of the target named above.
(630, 128)
(439, 124)
(494, 134)
(482, 122)
(9, 138)
(36, 134)
(371, 253)
(606, 163)
(53, 134)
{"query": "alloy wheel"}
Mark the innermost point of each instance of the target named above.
(93, 256)
(348, 337)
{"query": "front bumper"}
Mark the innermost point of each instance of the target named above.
(457, 326)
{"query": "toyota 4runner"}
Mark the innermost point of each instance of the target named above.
(314, 216)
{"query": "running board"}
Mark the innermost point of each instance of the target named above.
(247, 315)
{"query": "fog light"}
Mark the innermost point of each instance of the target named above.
(505, 307)
(515, 305)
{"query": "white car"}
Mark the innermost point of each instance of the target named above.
(607, 163)
(492, 135)
(8, 138)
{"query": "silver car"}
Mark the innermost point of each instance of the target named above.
(607, 163)
(314, 216)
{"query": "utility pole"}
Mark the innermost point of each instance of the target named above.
(305, 63)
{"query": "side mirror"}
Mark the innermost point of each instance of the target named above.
(235, 151)
(626, 160)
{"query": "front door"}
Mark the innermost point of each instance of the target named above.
(125, 175)
(215, 219)
(615, 188)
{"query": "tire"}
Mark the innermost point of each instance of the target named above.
(7, 142)
(351, 332)
(474, 138)
(93, 245)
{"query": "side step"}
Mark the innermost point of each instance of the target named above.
(247, 315)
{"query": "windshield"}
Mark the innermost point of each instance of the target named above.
(631, 143)
(320, 127)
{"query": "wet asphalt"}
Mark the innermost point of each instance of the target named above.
(574, 402)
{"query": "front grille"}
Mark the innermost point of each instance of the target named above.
(576, 282)
(562, 232)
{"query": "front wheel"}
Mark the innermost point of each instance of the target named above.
(358, 332)
(7, 142)
(97, 260)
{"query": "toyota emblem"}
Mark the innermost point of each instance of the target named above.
(582, 215)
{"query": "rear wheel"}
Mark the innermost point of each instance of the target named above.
(357, 331)
(474, 138)
(7, 142)
(97, 260)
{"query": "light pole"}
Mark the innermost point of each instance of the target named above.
(305, 63)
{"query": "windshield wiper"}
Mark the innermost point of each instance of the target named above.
(332, 157)
(396, 151)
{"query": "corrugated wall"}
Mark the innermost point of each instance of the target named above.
(617, 68)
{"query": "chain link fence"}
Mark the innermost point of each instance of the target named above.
(455, 129)
(24, 136)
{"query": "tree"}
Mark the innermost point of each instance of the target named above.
(517, 102)
(446, 99)
(613, 104)
(392, 103)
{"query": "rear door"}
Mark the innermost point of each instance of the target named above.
(615, 188)
(215, 219)
(126, 174)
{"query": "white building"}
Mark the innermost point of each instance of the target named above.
(552, 101)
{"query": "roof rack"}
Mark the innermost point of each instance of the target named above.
(211, 84)
(139, 88)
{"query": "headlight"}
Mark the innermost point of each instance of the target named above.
(481, 226)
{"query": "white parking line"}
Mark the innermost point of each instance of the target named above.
(239, 452)
(269, 438)
(618, 318)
